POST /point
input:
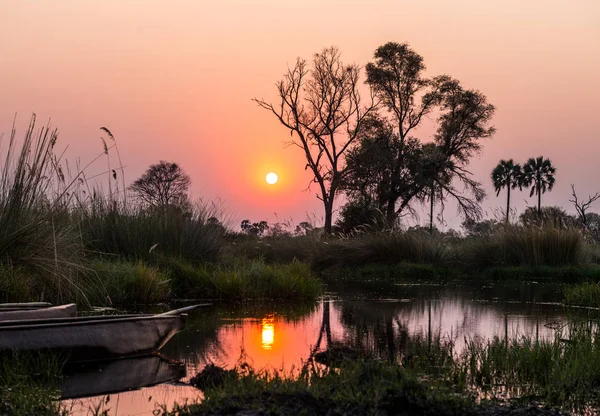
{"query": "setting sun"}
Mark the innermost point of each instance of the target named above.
(271, 178)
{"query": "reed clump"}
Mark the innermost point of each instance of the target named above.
(30, 384)
(562, 371)
(242, 279)
(135, 232)
(357, 388)
(383, 248)
(38, 242)
(127, 283)
(585, 294)
(525, 246)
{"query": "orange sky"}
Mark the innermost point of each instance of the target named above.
(174, 80)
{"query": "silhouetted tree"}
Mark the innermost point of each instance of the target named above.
(162, 185)
(360, 215)
(539, 174)
(322, 109)
(481, 228)
(397, 79)
(582, 207)
(507, 175)
(256, 229)
(553, 215)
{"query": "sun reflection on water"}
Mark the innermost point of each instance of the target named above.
(268, 332)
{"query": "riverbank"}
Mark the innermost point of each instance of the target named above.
(494, 377)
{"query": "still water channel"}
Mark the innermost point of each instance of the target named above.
(365, 316)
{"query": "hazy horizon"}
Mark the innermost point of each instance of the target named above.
(174, 81)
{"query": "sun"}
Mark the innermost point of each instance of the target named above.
(271, 178)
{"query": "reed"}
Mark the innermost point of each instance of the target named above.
(383, 248)
(361, 388)
(125, 283)
(38, 239)
(241, 280)
(134, 232)
(586, 294)
(525, 246)
(564, 371)
(29, 384)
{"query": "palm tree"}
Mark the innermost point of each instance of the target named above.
(539, 174)
(507, 175)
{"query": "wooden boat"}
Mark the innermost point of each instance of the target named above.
(14, 313)
(107, 377)
(22, 306)
(93, 337)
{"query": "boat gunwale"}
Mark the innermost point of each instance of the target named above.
(82, 320)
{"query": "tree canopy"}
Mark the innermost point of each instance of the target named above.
(162, 185)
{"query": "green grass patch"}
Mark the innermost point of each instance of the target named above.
(125, 283)
(29, 384)
(564, 371)
(585, 294)
(567, 274)
(524, 246)
(383, 248)
(393, 273)
(242, 279)
(361, 388)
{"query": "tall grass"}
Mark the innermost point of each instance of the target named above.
(361, 388)
(279, 249)
(134, 232)
(383, 248)
(525, 246)
(125, 283)
(242, 279)
(37, 235)
(29, 384)
(585, 294)
(561, 371)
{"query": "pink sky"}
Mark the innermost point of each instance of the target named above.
(174, 80)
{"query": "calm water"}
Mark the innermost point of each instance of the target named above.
(377, 318)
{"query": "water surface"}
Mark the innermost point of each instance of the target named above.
(369, 316)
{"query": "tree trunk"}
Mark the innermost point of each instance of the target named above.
(507, 203)
(539, 200)
(328, 204)
(431, 209)
(390, 212)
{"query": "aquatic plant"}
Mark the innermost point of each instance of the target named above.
(242, 279)
(585, 294)
(38, 237)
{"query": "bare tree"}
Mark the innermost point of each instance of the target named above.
(582, 207)
(163, 184)
(322, 109)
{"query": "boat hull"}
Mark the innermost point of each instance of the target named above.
(93, 337)
(106, 377)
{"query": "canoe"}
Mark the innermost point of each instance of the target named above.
(62, 311)
(22, 306)
(93, 337)
(107, 377)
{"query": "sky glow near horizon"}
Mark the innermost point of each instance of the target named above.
(174, 81)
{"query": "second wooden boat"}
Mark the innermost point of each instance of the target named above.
(62, 311)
